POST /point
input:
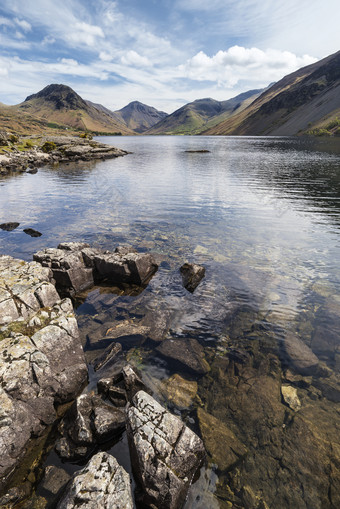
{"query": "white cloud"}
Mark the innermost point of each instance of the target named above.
(24, 25)
(229, 67)
(5, 22)
(84, 33)
(105, 57)
(132, 58)
(48, 40)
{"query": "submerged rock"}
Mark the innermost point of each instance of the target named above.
(109, 356)
(187, 352)
(223, 446)
(179, 391)
(290, 397)
(103, 483)
(54, 480)
(32, 233)
(165, 454)
(301, 357)
(192, 274)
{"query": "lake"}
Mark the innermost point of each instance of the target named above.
(263, 216)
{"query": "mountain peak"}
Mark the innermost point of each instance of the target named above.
(139, 116)
(62, 96)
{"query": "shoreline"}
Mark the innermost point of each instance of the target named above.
(35, 152)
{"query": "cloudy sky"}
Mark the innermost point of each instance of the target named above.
(164, 53)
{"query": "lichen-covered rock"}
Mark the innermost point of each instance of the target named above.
(192, 274)
(165, 453)
(24, 289)
(42, 362)
(103, 483)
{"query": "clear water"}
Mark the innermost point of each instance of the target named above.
(263, 216)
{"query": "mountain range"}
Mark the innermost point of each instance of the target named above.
(306, 101)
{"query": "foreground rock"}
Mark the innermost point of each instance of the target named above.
(89, 422)
(165, 454)
(76, 266)
(41, 359)
(103, 483)
(55, 149)
(192, 274)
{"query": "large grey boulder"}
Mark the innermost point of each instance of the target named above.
(103, 484)
(24, 289)
(42, 363)
(165, 454)
(76, 266)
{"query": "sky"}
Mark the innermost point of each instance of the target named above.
(164, 53)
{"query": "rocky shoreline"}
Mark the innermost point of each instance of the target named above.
(43, 369)
(265, 410)
(24, 154)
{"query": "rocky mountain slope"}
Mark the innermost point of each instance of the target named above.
(59, 104)
(201, 114)
(139, 117)
(307, 100)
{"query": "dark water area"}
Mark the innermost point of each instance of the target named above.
(263, 216)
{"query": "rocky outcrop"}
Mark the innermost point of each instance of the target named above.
(77, 266)
(55, 149)
(192, 274)
(102, 483)
(165, 453)
(41, 359)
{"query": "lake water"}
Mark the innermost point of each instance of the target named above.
(263, 216)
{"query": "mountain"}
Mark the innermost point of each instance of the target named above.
(59, 104)
(306, 101)
(201, 114)
(139, 117)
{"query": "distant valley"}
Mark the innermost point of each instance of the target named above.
(304, 102)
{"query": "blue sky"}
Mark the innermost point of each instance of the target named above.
(161, 52)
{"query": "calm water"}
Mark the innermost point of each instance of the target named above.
(263, 216)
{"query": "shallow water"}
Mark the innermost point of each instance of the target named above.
(263, 216)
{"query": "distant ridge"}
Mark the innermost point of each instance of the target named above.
(306, 101)
(201, 114)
